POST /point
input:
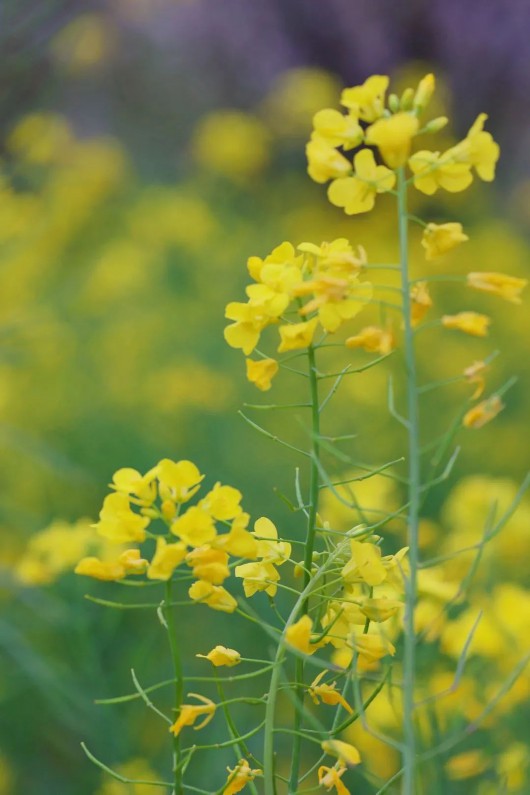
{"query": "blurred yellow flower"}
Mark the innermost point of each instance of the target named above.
(466, 765)
(437, 239)
(478, 149)
(336, 129)
(118, 522)
(249, 323)
(421, 302)
(262, 372)
(483, 413)
(138, 769)
(324, 162)
(298, 635)
(222, 502)
(469, 322)
(297, 335)
(231, 143)
(84, 43)
(215, 596)
(347, 754)
(209, 564)
(507, 287)
(258, 576)
(373, 339)
(239, 777)
(165, 560)
(328, 694)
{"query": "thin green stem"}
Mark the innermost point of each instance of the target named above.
(179, 684)
(414, 472)
(308, 559)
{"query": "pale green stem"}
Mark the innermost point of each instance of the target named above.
(308, 559)
(179, 684)
(409, 657)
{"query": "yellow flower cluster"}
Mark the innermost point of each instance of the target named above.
(390, 127)
(319, 284)
(191, 532)
(371, 595)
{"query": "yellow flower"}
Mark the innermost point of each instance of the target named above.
(232, 143)
(118, 522)
(337, 129)
(432, 171)
(195, 527)
(371, 648)
(249, 323)
(262, 372)
(474, 375)
(133, 563)
(393, 137)
(283, 255)
(239, 776)
(478, 149)
(222, 502)
(130, 481)
(512, 766)
(336, 298)
(424, 92)
(297, 335)
(269, 548)
(421, 302)
(469, 322)
(365, 564)
(347, 754)
(209, 564)
(437, 239)
(180, 480)
(238, 541)
(367, 100)
(330, 777)
(258, 576)
(380, 609)
(357, 194)
(298, 635)
(508, 287)
(215, 596)
(328, 694)
(484, 412)
(100, 570)
(220, 655)
(189, 713)
(324, 162)
(466, 765)
(373, 339)
(166, 559)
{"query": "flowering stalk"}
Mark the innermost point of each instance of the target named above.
(414, 494)
(177, 669)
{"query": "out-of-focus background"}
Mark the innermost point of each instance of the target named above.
(148, 147)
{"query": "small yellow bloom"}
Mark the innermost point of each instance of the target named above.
(347, 754)
(484, 412)
(258, 576)
(110, 571)
(269, 548)
(238, 541)
(367, 100)
(365, 564)
(371, 648)
(215, 596)
(393, 136)
(133, 563)
(298, 635)
(130, 481)
(357, 194)
(373, 339)
(262, 372)
(381, 609)
(466, 765)
(166, 559)
(469, 322)
(189, 713)
(507, 287)
(432, 171)
(209, 564)
(180, 479)
(220, 655)
(324, 162)
(239, 777)
(118, 522)
(337, 129)
(421, 302)
(437, 239)
(424, 92)
(195, 527)
(474, 375)
(330, 777)
(222, 502)
(328, 694)
(245, 332)
(297, 335)
(478, 149)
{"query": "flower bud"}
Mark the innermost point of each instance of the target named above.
(424, 92)
(393, 103)
(299, 570)
(169, 509)
(407, 99)
(435, 125)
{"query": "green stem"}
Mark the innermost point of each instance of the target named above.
(413, 429)
(308, 560)
(179, 683)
